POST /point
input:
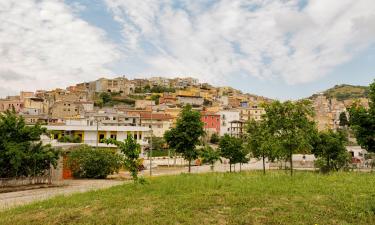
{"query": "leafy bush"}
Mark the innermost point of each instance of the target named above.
(209, 156)
(214, 138)
(69, 139)
(87, 162)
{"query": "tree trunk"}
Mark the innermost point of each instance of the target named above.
(189, 166)
(175, 158)
(291, 164)
(230, 167)
(264, 165)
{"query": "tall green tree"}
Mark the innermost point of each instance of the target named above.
(362, 122)
(131, 150)
(343, 120)
(186, 134)
(21, 151)
(291, 127)
(329, 148)
(260, 142)
(232, 148)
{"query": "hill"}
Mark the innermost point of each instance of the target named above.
(345, 91)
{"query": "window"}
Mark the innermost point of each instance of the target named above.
(101, 136)
(135, 136)
(113, 136)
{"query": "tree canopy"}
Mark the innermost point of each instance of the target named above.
(289, 124)
(362, 121)
(21, 151)
(186, 134)
(232, 148)
(343, 120)
(329, 148)
(260, 142)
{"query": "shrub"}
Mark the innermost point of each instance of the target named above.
(69, 139)
(214, 138)
(87, 162)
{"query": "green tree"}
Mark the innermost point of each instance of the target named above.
(105, 97)
(329, 148)
(231, 148)
(214, 138)
(362, 122)
(260, 142)
(210, 156)
(21, 151)
(87, 162)
(290, 126)
(343, 120)
(155, 98)
(131, 150)
(185, 136)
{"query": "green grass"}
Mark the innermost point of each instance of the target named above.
(219, 198)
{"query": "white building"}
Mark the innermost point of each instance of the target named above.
(92, 133)
(226, 116)
(158, 122)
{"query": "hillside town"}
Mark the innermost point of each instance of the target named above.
(114, 108)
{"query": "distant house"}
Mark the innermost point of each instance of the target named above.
(237, 128)
(211, 122)
(159, 123)
(226, 116)
(191, 100)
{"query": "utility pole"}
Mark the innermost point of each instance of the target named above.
(151, 142)
(97, 132)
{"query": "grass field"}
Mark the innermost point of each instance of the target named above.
(219, 198)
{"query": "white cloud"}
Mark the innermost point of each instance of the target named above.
(43, 45)
(262, 38)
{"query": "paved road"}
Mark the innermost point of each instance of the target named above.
(11, 199)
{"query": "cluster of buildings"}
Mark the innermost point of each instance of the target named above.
(72, 113)
(328, 110)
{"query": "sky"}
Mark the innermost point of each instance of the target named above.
(282, 49)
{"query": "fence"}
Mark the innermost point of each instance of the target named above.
(14, 182)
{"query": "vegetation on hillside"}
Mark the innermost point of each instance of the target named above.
(345, 91)
(111, 99)
(215, 198)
